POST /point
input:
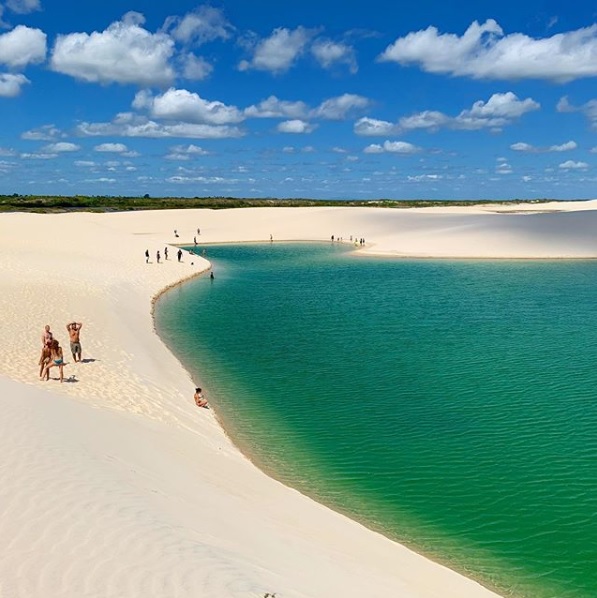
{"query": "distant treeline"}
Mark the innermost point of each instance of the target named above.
(97, 203)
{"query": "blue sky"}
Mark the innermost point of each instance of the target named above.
(324, 99)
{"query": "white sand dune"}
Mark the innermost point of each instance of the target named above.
(114, 484)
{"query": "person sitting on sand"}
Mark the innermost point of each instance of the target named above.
(199, 400)
(56, 360)
(74, 331)
(47, 337)
(44, 360)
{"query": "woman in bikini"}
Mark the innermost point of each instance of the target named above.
(56, 360)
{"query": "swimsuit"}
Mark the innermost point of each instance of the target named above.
(58, 361)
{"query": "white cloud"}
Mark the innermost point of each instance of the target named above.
(295, 126)
(22, 46)
(186, 106)
(393, 147)
(203, 25)
(329, 53)
(23, 6)
(115, 148)
(278, 52)
(195, 68)
(272, 107)
(84, 163)
(185, 152)
(503, 167)
(61, 147)
(428, 119)
(371, 127)
(127, 124)
(374, 148)
(589, 109)
(593, 150)
(11, 85)
(38, 156)
(523, 147)
(485, 52)
(123, 53)
(499, 110)
(200, 179)
(6, 152)
(43, 133)
(339, 107)
(564, 147)
(422, 178)
(571, 165)
(527, 147)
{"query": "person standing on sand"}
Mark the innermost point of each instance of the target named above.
(157, 256)
(56, 360)
(74, 330)
(47, 337)
(179, 254)
(147, 256)
(199, 400)
(44, 360)
(166, 252)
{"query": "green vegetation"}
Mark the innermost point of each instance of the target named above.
(96, 203)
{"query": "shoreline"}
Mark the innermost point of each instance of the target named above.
(260, 535)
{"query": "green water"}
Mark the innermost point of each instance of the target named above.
(450, 404)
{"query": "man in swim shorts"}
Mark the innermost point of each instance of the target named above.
(74, 330)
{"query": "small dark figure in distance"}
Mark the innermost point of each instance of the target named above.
(147, 256)
(179, 254)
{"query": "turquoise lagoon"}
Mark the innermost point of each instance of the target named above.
(451, 405)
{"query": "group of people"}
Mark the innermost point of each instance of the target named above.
(158, 255)
(52, 355)
(356, 241)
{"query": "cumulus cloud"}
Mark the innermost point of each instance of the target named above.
(295, 126)
(371, 127)
(127, 124)
(329, 54)
(200, 179)
(336, 108)
(527, 147)
(115, 148)
(278, 52)
(523, 147)
(23, 7)
(484, 51)
(185, 152)
(22, 46)
(572, 165)
(589, 109)
(272, 107)
(186, 106)
(199, 27)
(392, 147)
(424, 178)
(500, 110)
(124, 53)
(195, 68)
(11, 85)
(61, 147)
(43, 133)
(339, 107)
